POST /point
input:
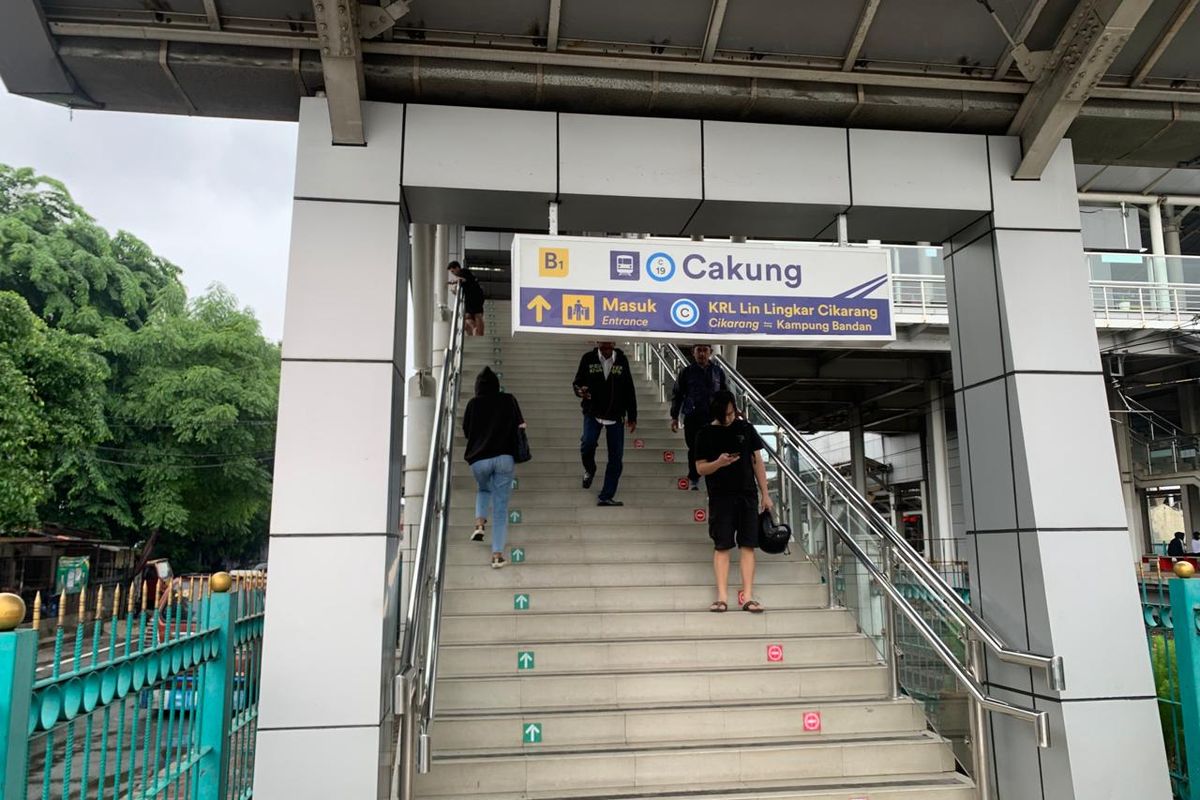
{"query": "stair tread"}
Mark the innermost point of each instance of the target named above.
(714, 746)
(818, 789)
(559, 712)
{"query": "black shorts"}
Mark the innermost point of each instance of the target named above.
(733, 520)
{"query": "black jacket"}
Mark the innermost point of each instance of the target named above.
(694, 389)
(612, 397)
(490, 424)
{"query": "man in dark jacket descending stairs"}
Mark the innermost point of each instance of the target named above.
(604, 384)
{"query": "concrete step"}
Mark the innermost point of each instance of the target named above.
(586, 512)
(637, 535)
(681, 655)
(917, 786)
(462, 551)
(568, 453)
(523, 628)
(646, 767)
(588, 599)
(560, 497)
(533, 694)
(656, 433)
(662, 486)
(573, 473)
(638, 576)
(682, 725)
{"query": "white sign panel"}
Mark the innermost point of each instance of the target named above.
(672, 289)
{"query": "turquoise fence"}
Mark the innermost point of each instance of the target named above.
(1171, 610)
(143, 698)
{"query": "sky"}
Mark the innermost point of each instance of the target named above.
(213, 196)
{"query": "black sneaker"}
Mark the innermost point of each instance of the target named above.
(696, 485)
(587, 479)
(609, 503)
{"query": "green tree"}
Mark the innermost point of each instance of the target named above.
(70, 271)
(52, 393)
(192, 412)
(125, 408)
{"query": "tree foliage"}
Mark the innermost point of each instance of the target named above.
(125, 408)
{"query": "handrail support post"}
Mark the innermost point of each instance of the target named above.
(982, 768)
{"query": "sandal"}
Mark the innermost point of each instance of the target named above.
(753, 606)
(718, 607)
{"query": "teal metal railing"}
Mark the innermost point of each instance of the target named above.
(144, 697)
(1171, 612)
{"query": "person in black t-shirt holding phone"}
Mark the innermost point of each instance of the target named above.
(728, 455)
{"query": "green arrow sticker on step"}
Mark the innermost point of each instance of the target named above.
(524, 659)
(520, 602)
(516, 483)
(517, 555)
(531, 733)
(514, 516)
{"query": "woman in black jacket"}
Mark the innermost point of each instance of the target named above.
(490, 424)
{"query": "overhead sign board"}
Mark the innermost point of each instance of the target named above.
(676, 289)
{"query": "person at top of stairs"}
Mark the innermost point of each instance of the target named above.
(691, 396)
(728, 456)
(490, 423)
(604, 384)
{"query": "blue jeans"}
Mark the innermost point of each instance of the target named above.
(494, 477)
(614, 439)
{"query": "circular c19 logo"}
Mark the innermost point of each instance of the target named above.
(685, 313)
(660, 267)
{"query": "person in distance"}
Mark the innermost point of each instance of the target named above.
(604, 384)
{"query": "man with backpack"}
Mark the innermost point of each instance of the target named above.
(604, 385)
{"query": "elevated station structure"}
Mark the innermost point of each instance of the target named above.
(966, 129)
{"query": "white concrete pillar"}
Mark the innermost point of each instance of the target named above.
(1047, 538)
(1158, 261)
(325, 714)
(1172, 246)
(940, 515)
(422, 386)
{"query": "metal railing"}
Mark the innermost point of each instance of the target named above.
(423, 617)
(833, 520)
(154, 698)
(1165, 456)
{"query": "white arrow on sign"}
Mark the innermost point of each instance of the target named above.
(526, 659)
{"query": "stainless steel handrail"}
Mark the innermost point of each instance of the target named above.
(422, 620)
(946, 596)
(893, 546)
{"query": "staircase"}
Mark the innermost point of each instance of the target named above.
(630, 687)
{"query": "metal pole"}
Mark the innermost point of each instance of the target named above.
(978, 723)
(889, 621)
(1158, 249)
(829, 547)
(553, 222)
(843, 230)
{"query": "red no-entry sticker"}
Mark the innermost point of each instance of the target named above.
(669, 456)
(774, 653)
(684, 484)
(639, 443)
(699, 515)
(812, 721)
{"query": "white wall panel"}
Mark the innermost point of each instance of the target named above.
(344, 172)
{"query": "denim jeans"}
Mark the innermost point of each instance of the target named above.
(494, 477)
(614, 438)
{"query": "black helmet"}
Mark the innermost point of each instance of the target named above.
(773, 538)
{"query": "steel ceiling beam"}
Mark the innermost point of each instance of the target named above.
(1086, 47)
(1185, 9)
(860, 34)
(716, 18)
(214, 16)
(1023, 30)
(553, 25)
(341, 62)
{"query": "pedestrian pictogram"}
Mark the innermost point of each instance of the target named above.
(812, 721)
(525, 660)
(514, 516)
(774, 653)
(638, 444)
(699, 515)
(579, 310)
(669, 456)
(521, 602)
(539, 306)
(531, 733)
(684, 484)
(517, 555)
